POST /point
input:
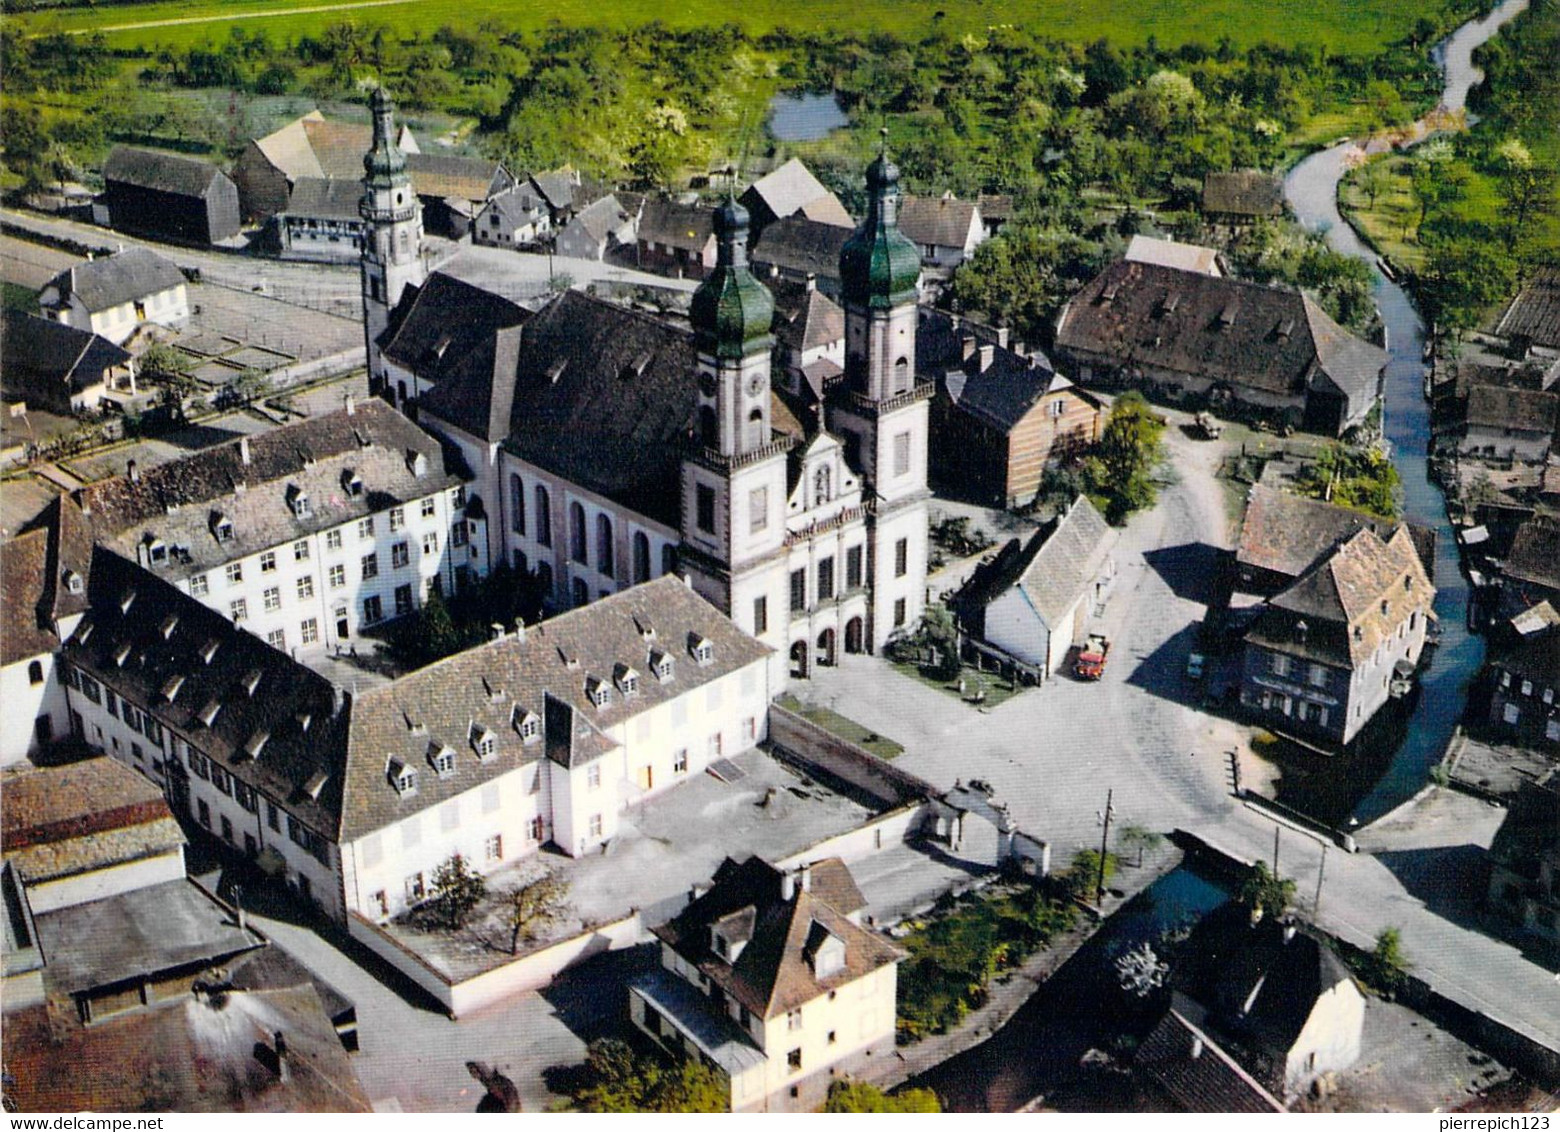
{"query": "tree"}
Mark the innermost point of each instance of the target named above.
(1266, 894)
(1140, 971)
(858, 1096)
(534, 904)
(1526, 188)
(431, 635)
(1129, 450)
(938, 634)
(1084, 876)
(251, 385)
(457, 890)
(1139, 837)
(1374, 179)
(616, 1079)
(1386, 966)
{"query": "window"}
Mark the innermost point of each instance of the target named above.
(1527, 687)
(400, 555)
(277, 639)
(793, 1020)
(239, 610)
(899, 612)
(758, 509)
(221, 779)
(543, 516)
(680, 762)
(370, 566)
(397, 518)
(373, 610)
(595, 825)
(428, 508)
(366, 527)
(641, 556)
(223, 530)
(901, 558)
(310, 630)
(204, 811)
(414, 887)
(403, 600)
(760, 615)
(1317, 677)
(273, 817)
(430, 543)
(1510, 713)
(273, 599)
(530, 728)
(487, 746)
(443, 763)
(301, 551)
(593, 776)
(853, 568)
(245, 796)
(825, 578)
(199, 765)
(704, 508)
(352, 482)
(333, 539)
(268, 562)
(580, 591)
(794, 1060)
(35, 672)
(1278, 664)
(577, 547)
(305, 587)
(493, 848)
(517, 505)
(338, 576)
(798, 590)
(458, 533)
(199, 587)
(902, 454)
(604, 545)
(235, 573)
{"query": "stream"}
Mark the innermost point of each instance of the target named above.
(1312, 191)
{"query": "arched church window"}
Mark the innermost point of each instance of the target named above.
(604, 544)
(641, 556)
(902, 376)
(577, 549)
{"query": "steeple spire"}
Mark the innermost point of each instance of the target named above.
(879, 266)
(732, 312)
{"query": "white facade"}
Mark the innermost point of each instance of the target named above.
(35, 705)
(392, 239)
(168, 307)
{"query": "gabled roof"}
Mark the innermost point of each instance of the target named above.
(493, 687)
(1535, 552)
(601, 218)
(1524, 410)
(450, 175)
(1246, 192)
(557, 187)
(944, 221)
(1531, 828)
(1535, 656)
(123, 277)
(801, 245)
(40, 352)
(316, 147)
(1059, 562)
(1171, 253)
(34, 595)
(437, 326)
(1535, 313)
(805, 318)
(773, 973)
(165, 172)
(995, 208)
(690, 227)
(791, 189)
(1287, 533)
(325, 198)
(1197, 1073)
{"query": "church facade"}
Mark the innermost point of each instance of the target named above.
(609, 447)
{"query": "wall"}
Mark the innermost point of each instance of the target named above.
(25, 703)
(100, 883)
(888, 831)
(801, 741)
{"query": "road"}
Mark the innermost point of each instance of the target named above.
(1052, 753)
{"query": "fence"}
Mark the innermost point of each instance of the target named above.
(834, 760)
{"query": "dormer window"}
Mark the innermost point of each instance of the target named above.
(126, 600)
(627, 680)
(1383, 607)
(222, 528)
(1359, 633)
(418, 463)
(121, 654)
(298, 500)
(257, 743)
(73, 582)
(157, 551)
(209, 650)
(170, 689)
(316, 783)
(402, 777)
(251, 681)
(351, 482)
(442, 759)
(828, 952)
(661, 665)
(484, 742)
(208, 714)
(169, 624)
(702, 651)
(598, 690)
(529, 725)
(1408, 581)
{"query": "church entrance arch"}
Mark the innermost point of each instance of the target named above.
(826, 648)
(855, 635)
(799, 660)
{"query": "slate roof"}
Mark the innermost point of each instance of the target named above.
(1535, 657)
(792, 188)
(1057, 564)
(437, 327)
(689, 227)
(1535, 552)
(773, 973)
(185, 1056)
(1226, 330)
(325, 198)
(601, 218)
(123, 277)
(557, 186)
(1535, 312)
(801, 245)
(165, 172)
(494, 686)
(1339, 600)
(1287, 533)
(40, 354)
(179, 502)
(1246, 192)
(1172, 253)
(805, 319)
(1197, 1073)
(943, 221)
(1523, 410)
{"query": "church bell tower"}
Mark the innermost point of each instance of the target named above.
(392, 234)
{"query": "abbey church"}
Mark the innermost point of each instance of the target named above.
(608, 447)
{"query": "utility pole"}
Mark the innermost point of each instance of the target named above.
(1321, 870)
(1275, 850)
(1104, 817)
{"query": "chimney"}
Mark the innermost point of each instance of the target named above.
(283, 1070)
(787, 887)
(1197, 1048)
(132, 471)
(812, 282)
(988, 354)
(520, 629)
(1002, 336)
(243, 450)
(805, 875)
(496, 631)
(338, 700)
(966, 346)
(1289, 931)
(351, 404)
(1301, 631)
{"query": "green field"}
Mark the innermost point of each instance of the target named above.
(1355, 26)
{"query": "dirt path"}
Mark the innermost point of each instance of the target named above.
(227, 18)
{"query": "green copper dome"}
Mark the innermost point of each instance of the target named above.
(384, 164)
(879, 266)
(732, 312)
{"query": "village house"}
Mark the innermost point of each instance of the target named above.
(797, 249)
(1326, 653)
(1234, 346)
(1171, 253)
(1523, 669)
(1531, 324)
(112, 296)
(996, 210)
(809, 341)
(1193, 1070)
(43, 593)
(1525, 859)
(1039, 597)
(676, 239)
(946, 229)
(304, 535)
(54, 366)
(1000, 417)
(770, 978)
(792, 190)
(321, 221)
(515, 218)
(1530, 572)
(1503, 422)
(601, 227)
(167, 196)
(1242, 197)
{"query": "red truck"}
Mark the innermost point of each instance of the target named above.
(1090, 664)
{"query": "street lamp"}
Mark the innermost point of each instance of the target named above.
(1102, 818)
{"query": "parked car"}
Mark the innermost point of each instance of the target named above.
(1090, 664)
(1194, 666)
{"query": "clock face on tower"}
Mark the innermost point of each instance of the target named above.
(755, 383)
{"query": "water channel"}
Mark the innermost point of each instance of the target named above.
(1312, 191)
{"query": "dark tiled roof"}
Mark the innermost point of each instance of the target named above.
(798, 244)
(1526, 410)
(1531, 828)
(1535, 312)
(436, 327)
(1287, 533)
(557, 186)
(126, 647)
(944, 221)
(1225, 330)
(1197, 1073)
(995, 207)
(690, 227)
(601, 218)
(39, 353)
(805, 319)
(773, 974)
(166, 172)
(1245, 192)
(492, 687)
(1535, 552)
(178, 502)
(1535, 657)
(123, 277)
(1057, 564)
(325, 198)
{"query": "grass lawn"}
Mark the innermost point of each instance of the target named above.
(847, 729)
(995, 686)
(1355, 26)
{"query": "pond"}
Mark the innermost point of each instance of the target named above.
(804, 117)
